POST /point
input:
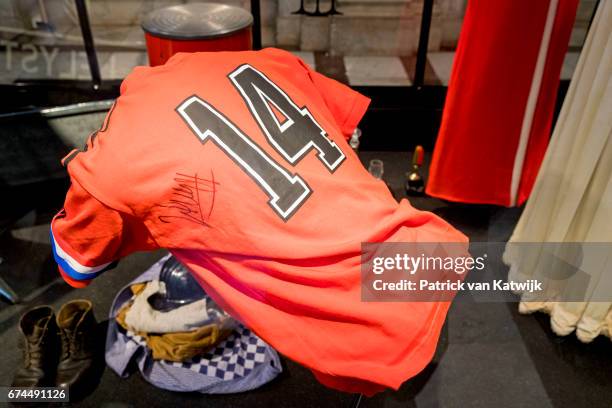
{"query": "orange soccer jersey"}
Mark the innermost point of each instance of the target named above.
(238, 163)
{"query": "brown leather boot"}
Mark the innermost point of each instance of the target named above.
(77, 327)
(41, 348)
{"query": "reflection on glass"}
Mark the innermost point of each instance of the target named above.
(376, 168)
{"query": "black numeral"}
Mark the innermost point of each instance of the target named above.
(292, 131)
(298, 133)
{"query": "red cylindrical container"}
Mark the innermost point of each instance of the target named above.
(196, 27)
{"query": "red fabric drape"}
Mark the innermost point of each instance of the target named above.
(477, 153)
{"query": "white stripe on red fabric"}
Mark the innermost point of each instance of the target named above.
(534, 92)
(73, 263)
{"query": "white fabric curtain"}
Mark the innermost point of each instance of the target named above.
(572, 198)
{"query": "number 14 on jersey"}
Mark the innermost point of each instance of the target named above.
(290, 130)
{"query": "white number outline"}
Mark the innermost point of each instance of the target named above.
(205, 135)
(303, 111)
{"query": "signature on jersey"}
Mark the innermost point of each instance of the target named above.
(192, 199)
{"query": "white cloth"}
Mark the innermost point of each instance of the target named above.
(141, 317)
(572, 198)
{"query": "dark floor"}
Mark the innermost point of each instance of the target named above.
(489, 354)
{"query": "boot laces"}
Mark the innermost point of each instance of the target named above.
(70, 347)
(33, 352)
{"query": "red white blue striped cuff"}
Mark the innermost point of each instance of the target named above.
(72, 267)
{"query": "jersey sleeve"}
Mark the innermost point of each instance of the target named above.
(345, 104)
(87, 237)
